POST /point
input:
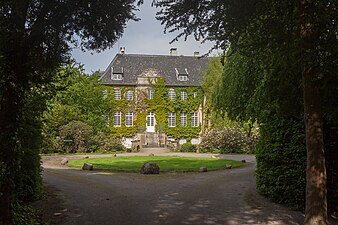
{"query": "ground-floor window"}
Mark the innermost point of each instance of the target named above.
(194, 119)
(172, 119)
(129, 119)
(183, 119)
(117, 118)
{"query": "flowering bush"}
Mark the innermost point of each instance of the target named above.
(228, 140)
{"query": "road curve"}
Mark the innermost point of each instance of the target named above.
(221, 197)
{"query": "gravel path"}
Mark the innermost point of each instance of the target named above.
(221, 197)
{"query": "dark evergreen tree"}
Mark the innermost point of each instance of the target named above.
(35, 39)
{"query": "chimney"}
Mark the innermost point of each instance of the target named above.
(196, 54)
(173, 52)
(122, 50)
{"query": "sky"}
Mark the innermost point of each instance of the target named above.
(142, 37)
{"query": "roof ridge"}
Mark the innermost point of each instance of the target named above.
(153, 55)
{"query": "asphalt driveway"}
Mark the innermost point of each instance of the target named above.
(221, 197)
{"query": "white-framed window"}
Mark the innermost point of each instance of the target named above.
(182, 141)
(116, 76)
(172, 119)
(150, 94)
(194, 141)
(183, 119)
(182, 77)
(129, 119)
(117, 118)
(194, 119)
(171, 94)
(117, 93)
(129, 95)
(195, 94)
(184, 95)
(105, 93)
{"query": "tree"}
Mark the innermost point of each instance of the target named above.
(77, 97)
(265, 28)
(36, 37)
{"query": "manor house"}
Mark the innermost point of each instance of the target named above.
(157, 100)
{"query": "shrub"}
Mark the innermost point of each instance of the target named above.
(229, 140)
(79, 134)
(107, 143)
(188, 147)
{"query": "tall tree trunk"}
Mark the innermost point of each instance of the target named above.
(316, 202)
(316, 192)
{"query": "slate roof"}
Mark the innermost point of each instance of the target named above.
(133, 65)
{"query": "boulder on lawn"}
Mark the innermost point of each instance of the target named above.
(228, 167)
(203, 169)
(150, 168)
(64, 162)
(87, 166)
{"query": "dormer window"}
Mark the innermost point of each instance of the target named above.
(116, 76)
(117, 73)
(182, 77)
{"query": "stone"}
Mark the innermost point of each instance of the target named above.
(228, 167)
(86, 157)
(87, 166)
(64, 161)
(203, 169)
(214, 157)
(151, 154)
(150, 168)
(114, 155)
(243, 161)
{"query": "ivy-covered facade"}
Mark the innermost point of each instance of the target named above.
(157, 100)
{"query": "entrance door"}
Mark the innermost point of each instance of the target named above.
(150, 122)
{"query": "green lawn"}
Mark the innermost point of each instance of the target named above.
(166, 163)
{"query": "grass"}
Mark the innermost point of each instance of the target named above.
(82, 153)
(166, 163)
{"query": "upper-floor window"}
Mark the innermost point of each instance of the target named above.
(172, 119)
(194, 119)
(171, 94)
(116, 76)
(183, 119)
(129, 119)
(182, 77)
(117, 118)
(129, 95)
(195, 94)
(117, 93)
(150, 94)
(184, 95)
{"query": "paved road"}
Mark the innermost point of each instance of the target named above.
(222, 197)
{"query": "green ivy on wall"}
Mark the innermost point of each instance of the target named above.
(161, 105)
